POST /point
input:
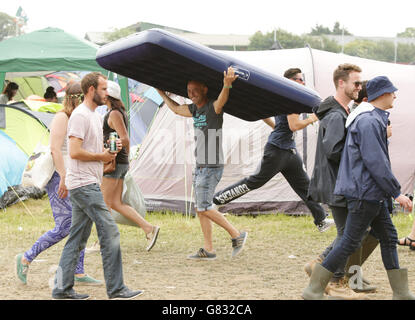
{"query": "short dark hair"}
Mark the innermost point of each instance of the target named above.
(50, 93)
(362, 93)
(343, 71)
(290, 73)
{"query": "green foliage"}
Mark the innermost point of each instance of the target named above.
(408, 33)
(322, 43)
(376, 50)
(7, 26)
(381, 50)
(321, 30)
(260, 41)
(119, 33)
(406, 53)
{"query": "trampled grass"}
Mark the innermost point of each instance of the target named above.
(270, 267)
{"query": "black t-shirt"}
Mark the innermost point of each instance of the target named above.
(122, 156)
(208, 135)
(282, 137)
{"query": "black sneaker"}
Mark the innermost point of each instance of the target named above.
(70, 296)
(238, 243)
(126, 294)
(202, 254)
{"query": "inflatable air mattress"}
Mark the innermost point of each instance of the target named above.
(166, 61)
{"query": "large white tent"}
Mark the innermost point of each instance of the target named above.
(163, 169)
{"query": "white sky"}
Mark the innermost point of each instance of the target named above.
(360, 17)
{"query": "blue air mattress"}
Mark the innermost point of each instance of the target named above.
(166, 61)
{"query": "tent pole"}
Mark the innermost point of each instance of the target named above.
(125, 96)
(2, 79)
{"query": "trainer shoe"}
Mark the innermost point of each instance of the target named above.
(70, 296)
(341, 290)
(21, 269)
(87, 281)
(202, 254)
(238, 243)
(126, 294)
(324, 225)
(152, 237)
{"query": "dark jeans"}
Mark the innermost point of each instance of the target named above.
(88, 207)
(362, 215)
(340, 216)
(275, 160)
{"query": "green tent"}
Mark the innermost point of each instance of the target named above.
(29, 86)
(51, 49)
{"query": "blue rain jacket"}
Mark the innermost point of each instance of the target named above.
(365, 170)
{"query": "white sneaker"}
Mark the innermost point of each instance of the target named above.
(324, 225)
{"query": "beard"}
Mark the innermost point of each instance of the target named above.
(352, 95)
(98, 100)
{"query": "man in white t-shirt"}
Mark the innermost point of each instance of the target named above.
(83, 179)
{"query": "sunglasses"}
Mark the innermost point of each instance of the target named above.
(298, 79)
(358, 84)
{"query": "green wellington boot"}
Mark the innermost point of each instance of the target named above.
(398, 279)
(318, 282)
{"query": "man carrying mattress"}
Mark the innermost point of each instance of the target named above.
(280, 155)
(208, 119)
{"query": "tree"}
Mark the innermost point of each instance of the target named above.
(322, 43)
(339, 31)
(260, 41)
(321, 30)
(376, 50)
(408, 33)
(7, 26)
(119, 33)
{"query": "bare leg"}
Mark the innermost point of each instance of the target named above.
(404, 241)
(206, 225)
(112, 192)
(220, 220)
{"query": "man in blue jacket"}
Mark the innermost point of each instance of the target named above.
(366, 180)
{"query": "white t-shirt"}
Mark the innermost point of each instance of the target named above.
(85, 124)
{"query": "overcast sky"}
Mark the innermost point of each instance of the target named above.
(360, 17)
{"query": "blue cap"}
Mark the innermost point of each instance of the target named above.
(378, 86)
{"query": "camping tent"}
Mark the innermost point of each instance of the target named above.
(12, 163)
(49, 50)
(21, 131)
(163, 169)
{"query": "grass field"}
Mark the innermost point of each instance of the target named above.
(270, 267)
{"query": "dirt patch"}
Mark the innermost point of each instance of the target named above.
(270, 267)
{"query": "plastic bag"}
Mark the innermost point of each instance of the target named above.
(39, 168)
(132, 196)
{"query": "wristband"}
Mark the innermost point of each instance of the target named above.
(227, 87)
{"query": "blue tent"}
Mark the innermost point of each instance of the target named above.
(12, 163)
